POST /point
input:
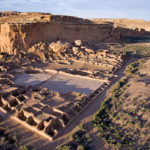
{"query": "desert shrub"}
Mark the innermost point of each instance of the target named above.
(78, 136)
(111, 133)
(111, 120)
(15, 138)
(81, 147)
(137, 51)
(11, 141)
(3, 139)
(2, 131)
(80, 139)
(116, 91)
(132, 69)
(64, 147)
(24, 147)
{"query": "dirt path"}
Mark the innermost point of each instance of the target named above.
(84, 118)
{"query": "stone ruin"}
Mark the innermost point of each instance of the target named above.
(31, 106)
(30, 39)
(42, 118)
(25, 107)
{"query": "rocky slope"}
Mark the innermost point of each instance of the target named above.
(22, 30)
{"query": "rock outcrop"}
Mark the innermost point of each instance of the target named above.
(19, 31)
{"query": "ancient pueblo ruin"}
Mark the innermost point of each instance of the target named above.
(52, 67)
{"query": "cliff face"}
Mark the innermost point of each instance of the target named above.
(22, 36)
(121, 34)
(16, 36)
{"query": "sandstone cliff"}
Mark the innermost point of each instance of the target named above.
(22, 30)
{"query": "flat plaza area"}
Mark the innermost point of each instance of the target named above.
(59, 81)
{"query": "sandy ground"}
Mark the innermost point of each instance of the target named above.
(60, 82)
(139, 86)
(31, 79)
(65, 83)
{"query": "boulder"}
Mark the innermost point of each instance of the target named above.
(41, 55)
(58, 46)
(38, 46)
(89, 50)
(78, 42)
(1, 56)
(75, 50)
(31, 49)
(83, 47)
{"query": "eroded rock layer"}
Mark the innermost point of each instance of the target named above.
(22, 30)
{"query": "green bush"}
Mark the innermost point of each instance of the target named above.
(64, 147)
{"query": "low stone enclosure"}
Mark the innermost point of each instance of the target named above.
(36, 98)
(35, 113)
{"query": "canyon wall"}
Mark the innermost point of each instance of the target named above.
(22, 36)
(17, 36)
